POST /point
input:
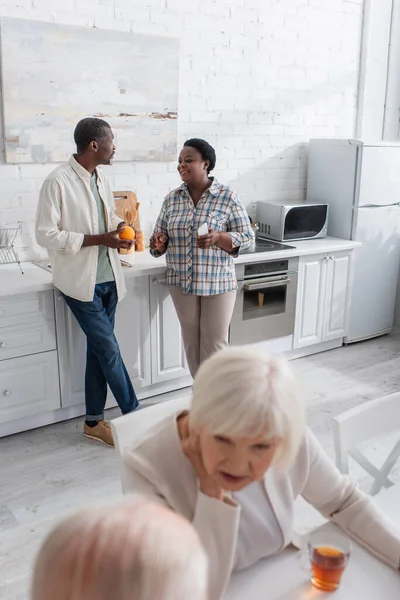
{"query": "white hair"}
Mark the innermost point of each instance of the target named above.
(136, 551)
(240, 392)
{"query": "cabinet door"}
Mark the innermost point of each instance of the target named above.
(132, 329)
(310, 302)
(168, 354)
(36, 307)
(336, 300)
(27, 338)
(71, 344)
(28, 386)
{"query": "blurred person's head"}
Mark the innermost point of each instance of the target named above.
(136, 551)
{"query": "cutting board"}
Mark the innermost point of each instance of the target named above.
(125, 201)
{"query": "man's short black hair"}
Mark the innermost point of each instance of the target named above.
(89, 130)
(206, 150)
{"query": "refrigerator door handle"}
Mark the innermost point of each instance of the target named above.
(376, 205)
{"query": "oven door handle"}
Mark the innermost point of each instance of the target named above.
(265, 284)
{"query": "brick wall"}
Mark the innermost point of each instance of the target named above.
(258, 78)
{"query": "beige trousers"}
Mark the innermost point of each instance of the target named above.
(205, 323)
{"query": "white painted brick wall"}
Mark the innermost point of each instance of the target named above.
(258, 78)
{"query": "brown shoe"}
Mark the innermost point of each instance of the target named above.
(101, 432)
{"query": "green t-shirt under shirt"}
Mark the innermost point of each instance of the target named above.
(104, 269)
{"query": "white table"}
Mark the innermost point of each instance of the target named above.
(281, 577)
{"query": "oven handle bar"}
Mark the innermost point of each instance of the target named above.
(264, 284)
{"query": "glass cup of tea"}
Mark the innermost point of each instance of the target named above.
(325, 558)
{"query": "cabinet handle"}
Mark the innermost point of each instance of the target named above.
(3, 344)
(7, 392)
(159, 281)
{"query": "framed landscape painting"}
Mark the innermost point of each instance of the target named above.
(54, 75)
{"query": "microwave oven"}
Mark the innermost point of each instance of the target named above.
(291, 222)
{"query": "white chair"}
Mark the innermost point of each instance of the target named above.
(126, 428)
(372, 419)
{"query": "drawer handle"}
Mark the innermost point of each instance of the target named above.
(3, 344)
(7, 392)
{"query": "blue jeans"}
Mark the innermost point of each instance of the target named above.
(104, 363)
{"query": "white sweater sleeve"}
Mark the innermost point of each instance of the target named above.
(336, 497)
(216, 522)
(48, 216)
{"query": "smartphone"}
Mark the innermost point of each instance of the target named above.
(203, 229)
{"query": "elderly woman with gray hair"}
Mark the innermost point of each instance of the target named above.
(128, 552)
(234, 464)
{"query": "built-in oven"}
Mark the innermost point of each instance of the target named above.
(266, 301)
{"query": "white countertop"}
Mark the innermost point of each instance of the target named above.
(305, 248)
(36, 279)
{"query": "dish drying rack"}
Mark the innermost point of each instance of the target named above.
(7, 252)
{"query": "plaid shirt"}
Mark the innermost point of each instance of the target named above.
(198, 271)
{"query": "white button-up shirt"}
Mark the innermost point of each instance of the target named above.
(67, 211)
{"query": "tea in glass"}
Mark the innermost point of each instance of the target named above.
(328, 553)
(327, 565)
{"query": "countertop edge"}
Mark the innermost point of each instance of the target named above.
(305, 248)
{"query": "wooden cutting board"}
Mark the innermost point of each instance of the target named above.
(125, 201)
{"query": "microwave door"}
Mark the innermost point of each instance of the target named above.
(304, 222)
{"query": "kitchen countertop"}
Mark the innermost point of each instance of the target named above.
(36, 279)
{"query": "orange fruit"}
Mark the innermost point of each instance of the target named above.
(128, 233)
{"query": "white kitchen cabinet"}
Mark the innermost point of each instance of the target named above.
(336, 297)
(28, 386)
(29, 383)
(168, 355)
(27, 338)
(26, 308)
(322, 298)
(310, 304)
(71, 344)
(132, 331)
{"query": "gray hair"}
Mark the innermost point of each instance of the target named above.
(240, 392)
(136, 551)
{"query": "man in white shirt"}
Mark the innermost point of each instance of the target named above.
(77, 224)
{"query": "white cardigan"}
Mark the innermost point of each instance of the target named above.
(66, 212)
(155, 466)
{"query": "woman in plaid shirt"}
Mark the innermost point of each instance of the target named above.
(200, 269)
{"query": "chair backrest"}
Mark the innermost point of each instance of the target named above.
(127, 427)
(372, 419)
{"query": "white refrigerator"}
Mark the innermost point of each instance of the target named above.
(361, 183)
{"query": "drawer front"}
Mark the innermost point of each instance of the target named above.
(28, 386)
(32, 338)
(26, 308)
